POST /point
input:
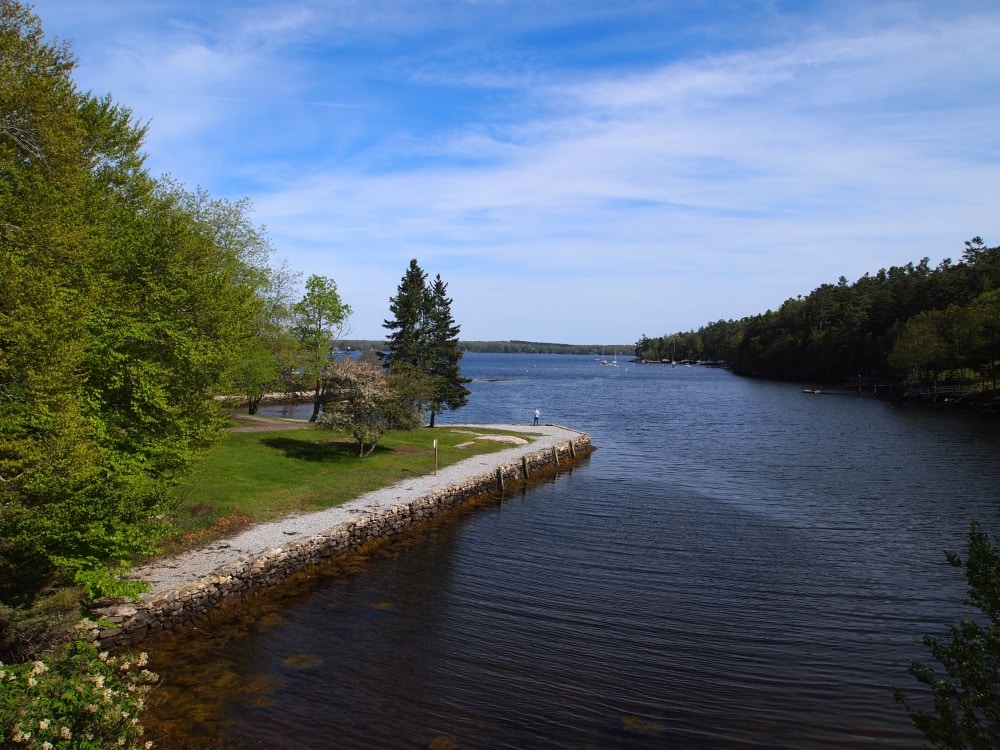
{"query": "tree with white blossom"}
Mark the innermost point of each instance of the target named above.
(366, 402)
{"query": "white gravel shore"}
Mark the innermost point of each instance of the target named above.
(172, 573)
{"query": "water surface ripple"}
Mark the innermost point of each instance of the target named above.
(739, 565)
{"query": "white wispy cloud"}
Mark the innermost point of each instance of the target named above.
(650, 175)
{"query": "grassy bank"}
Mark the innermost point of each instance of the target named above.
(266, 468)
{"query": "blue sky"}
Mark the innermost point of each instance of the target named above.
(576, 171)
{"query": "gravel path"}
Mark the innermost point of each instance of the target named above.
(172, 573)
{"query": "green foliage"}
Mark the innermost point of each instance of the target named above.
(407, 339)
(61, 153)
(423, 341)
(913, 322)
(321, 318)
(935, 341)
(448, 389)
(26, 633)
(365, 403)
(919, 345)
(78, 699)
(966, 696)
(125, 306)
(265, 361)
(984, 321)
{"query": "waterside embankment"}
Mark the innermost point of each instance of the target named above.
(226, 572)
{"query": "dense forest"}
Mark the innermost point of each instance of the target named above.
(127, 303)
(910, 325)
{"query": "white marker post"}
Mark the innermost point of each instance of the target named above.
(435, 457)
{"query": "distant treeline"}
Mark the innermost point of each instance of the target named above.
(912, 323)
(515, 347)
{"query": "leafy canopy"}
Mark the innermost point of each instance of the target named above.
(321, 319)
(126, 305)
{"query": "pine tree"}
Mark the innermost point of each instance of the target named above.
(448, 385)
(407, 337)
(965, 682)
(423, 342)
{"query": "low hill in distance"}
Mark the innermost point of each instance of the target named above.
(515, 347)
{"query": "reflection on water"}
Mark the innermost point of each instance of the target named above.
(737, 566)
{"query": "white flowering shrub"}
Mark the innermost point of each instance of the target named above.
(79, 699)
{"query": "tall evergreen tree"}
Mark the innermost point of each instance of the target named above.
(448, 389)
(407, 339)
(423, 342)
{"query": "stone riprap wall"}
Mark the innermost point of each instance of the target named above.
(126, 625)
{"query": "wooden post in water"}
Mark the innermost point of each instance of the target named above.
(500, 478)
(572, 449)
(555, 454)
(524, 467)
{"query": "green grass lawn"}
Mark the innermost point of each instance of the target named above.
(278, 468)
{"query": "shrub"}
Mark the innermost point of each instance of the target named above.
(78, 699)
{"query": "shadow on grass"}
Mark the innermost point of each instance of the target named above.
(336, 451)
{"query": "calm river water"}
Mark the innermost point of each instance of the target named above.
(739, 565)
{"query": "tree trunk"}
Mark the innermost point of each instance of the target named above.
(253, 403)
(317, 402)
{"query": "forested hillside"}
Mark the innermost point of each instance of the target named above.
(909, 324)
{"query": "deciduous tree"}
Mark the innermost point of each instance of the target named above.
(366, 402)
(266, 360)
(124, 303)
(65, 158)
(919, 345)
(321, 319)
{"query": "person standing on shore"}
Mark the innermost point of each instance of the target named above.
(537, 415)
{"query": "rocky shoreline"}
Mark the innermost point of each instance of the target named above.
(225, 572)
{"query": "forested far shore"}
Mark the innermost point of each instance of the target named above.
(910, 325)
(512, 347)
